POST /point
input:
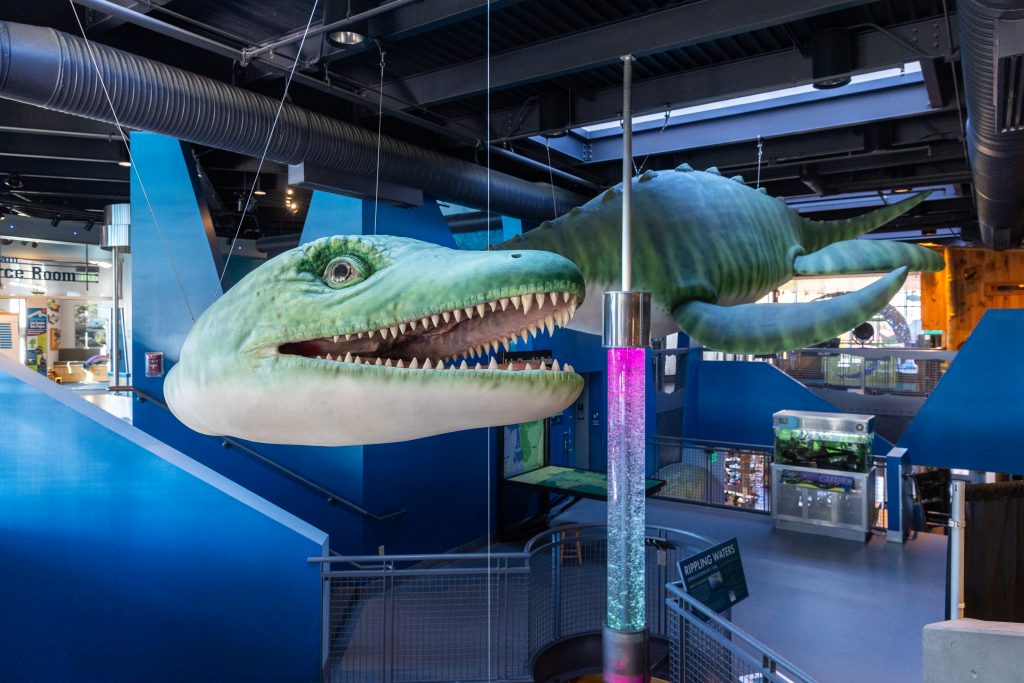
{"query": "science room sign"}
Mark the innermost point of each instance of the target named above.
(27, 276)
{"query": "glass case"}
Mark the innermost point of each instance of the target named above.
(823, 474)
(829, 441)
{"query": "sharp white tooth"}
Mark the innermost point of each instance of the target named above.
(554, 366)
(387, 363)
(402, 327)
(348, 337)
(524, 335)
(528, 367)
(554, 298)
(504, 303)
(565, 296)
(335, 339)
(373, 332)
(493, 305)
(527, 302)
(543, 365)
(568, 368)
(426, 365)
(493, 365)
(357, 360)
(458, 314)
(479, 350)
(413, 324)
(329, 357)
(533, 331)
(400, 363)
(425, 322)
(549, 324)
(505, 343)
(435, 319)
(348, 357)
(515, 302)
(477, 367)
(469, 312)
(480, 310)
(495, 346)
(510, 366)
(539, 296)
(463, 365)
(319, 358)
(572, 308)
(564, 317)
(414, 364)
(447, 316)
(394, 332)
(360, 335)
(378, 361)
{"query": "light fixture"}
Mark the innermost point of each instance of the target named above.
(289, 191)
(831, 58)
(258, 190)
(124, 158)
(900, 190)
(35, 245)
(350, 34)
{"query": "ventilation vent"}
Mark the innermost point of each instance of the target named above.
(1010, 94)
(6, 337)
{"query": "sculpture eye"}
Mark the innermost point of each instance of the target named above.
(344, 271)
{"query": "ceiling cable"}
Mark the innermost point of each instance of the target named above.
(760, 154)
(270, 138)
(380, 125)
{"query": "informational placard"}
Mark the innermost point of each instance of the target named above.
(715, 576)
(524, 447)
(35, 339)
(818, 480)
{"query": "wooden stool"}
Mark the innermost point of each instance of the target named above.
(571, 550)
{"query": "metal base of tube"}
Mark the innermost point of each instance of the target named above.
(625, 656)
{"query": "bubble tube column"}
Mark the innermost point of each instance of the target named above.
(626, 335)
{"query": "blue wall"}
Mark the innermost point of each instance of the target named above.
(123, 560)
(733, 401)
(973, 418)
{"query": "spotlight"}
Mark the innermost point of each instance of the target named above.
(124, 158)
(259, 191)
(289, 192)
(350, 34)
(900, 190)
(831, 58)
(35, 245)
(13, 182)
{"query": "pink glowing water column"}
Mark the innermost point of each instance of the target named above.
(626, 480)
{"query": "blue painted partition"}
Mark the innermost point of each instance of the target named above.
(733, 401)
(975, 416)
(123, 560)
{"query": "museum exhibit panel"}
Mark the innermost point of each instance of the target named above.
(511, 340)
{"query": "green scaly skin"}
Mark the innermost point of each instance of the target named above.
(707, 247)
(249, 368)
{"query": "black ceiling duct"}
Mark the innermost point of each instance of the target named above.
(50, 69)
(992, 51)
(831, 58)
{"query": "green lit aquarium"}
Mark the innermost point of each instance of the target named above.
(828, 441)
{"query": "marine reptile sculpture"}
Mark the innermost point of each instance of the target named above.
(374, 339)
(707, 247)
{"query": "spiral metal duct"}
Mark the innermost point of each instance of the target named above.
(992, 51)
(51, 69)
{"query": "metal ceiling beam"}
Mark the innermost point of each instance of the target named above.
(873, 50)
(833, 112)
(85, 171)
(16, 117)
(108, 23)
(689, 24)
(42, 146)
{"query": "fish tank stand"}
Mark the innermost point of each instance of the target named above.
(823, 477)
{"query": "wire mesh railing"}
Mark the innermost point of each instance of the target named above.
(706, 648)
(714, 473)
(419, 618)
(897, 371)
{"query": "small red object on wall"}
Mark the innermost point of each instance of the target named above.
(154, 364)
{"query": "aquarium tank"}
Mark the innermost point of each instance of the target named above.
(828, 441)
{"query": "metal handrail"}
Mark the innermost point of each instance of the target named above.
(530, 549)
(658, 438)
(771, 659)
(228, 442)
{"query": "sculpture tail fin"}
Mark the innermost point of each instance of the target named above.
(818, 234)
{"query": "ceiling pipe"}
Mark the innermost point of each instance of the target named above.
(51, 69)
(992, 51)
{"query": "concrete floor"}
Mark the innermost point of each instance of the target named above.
(841, 611)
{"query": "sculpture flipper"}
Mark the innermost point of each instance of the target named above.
(868, 256)
(771, 328)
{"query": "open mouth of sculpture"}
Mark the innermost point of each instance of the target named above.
(462, 338)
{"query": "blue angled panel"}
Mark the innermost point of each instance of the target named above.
(124, 560)
(973, 418)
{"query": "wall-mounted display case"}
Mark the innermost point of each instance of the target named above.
(823, 477)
